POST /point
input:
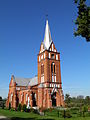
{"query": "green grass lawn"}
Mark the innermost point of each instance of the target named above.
(14, 115)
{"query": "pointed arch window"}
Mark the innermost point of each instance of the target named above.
(42, 69)
(42, 73)
(53, 71)
(53, 68)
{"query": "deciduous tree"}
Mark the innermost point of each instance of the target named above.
(83, 20)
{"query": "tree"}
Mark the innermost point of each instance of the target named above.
(3, 105)
(87, 100)
(83, 20)
(0, 98)
(67, 99)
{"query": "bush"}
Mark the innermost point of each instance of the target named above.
(24, 108)
(12, 109)
(66, 114)
(3, 105)
(27, 110)
(19, 107)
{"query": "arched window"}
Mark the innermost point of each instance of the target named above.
(53, 71)
(42, 69)
(53, 68)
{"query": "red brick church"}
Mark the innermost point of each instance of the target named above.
(45, 89)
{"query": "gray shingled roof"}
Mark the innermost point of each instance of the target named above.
(26, 81)
(41, 85)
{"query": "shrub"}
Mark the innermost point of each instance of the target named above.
(3, 105)
(19, 107)
(24, 108)
(31, 110)
(12, 109)
(27, 110)
(66, 114)
(36, 111)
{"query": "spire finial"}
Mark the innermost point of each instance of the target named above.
(46, 16)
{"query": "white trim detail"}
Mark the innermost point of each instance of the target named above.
(44, 55)
(56, 57)
(49, 55)
(39, 58)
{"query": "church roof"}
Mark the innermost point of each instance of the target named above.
(26, 81)
(47, 38)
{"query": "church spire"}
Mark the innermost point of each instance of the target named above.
(47, 37)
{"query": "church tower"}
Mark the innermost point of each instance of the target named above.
(49, 74)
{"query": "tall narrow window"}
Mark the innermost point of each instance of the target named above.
(52, 68)
(42, 69)
(53, 72)
(52, 78)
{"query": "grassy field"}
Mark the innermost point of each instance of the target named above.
(14, 115)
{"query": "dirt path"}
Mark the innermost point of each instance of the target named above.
(3, 118)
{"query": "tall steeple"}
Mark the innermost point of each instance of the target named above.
(47, 38)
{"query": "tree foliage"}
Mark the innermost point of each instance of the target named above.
(67, 99)
(83, 20)
(78, 101)
(0, 98)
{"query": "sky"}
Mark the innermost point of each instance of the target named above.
(22, 28)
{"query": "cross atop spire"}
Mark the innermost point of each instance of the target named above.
(47, 38)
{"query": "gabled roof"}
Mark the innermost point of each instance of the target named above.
(47, 38)
(26, 81)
